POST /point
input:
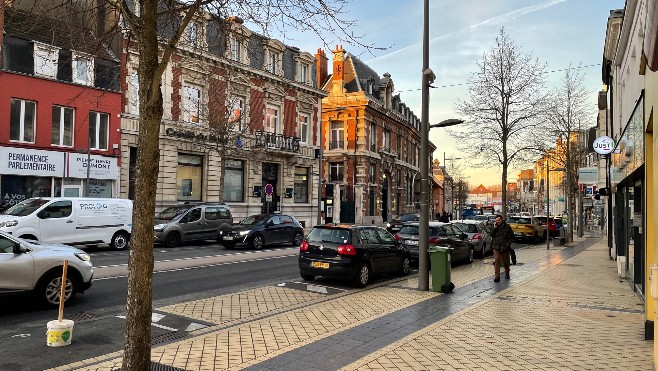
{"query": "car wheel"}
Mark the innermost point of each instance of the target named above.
(308, 277)
(257, 242)
(50, 288)
(471, 255)
(172, 239)
(362, 276)
(406, 266)
(299, 237)
(120, 240)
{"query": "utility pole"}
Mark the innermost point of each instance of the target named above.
(423, 235)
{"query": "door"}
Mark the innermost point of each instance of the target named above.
(16, 270)
(212, 221)
(274, 230)
(378, 255)
(192, 226)
(287, 228)
(56, 223)
(460, 246)
(392, 250)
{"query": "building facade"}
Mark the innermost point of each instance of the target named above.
(241, 123)
(60, 103)
(371, 145)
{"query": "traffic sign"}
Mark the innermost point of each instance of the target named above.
(269, 189)
(268, 198)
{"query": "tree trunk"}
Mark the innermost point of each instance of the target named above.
(137, 346)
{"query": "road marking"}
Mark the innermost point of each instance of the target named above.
(316, 288)
(155, 325)
(194, 326)
(21, 335)
(281, 284)
(156, 317)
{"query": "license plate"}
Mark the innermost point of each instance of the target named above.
(412, 242)
(518, 234)
(395, 228)
(319, 265)
(228, 238)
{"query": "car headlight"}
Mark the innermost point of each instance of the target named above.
(388, 225)
(83, 256)
(159, 227)
(9, 223)
(242, 233)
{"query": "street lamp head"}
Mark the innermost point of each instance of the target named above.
(446, 123)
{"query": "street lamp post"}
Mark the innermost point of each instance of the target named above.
(444, 178)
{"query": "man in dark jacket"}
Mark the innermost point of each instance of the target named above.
(502, 235)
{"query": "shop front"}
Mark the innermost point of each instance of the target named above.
(26, 173)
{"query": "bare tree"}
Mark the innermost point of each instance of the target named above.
(505, 109)
(567, 114)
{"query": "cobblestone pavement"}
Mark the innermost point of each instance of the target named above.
(564, 309)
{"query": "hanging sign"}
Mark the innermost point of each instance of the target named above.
(603, 145)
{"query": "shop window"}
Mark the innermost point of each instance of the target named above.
(189, 174)
(21, 121)
(302, 128)
(301, 184)
(17, 188)
(62, 129)
(336, 172)
(234, 181)
(98, 130)
(100, 188)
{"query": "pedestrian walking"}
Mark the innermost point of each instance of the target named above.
(502, 244)
(4, 205)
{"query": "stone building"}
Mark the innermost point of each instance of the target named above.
(371, 143)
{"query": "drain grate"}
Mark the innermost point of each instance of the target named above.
(158, 367)
(168, 337)
(82, 316)
(608, 309)
(571, 265)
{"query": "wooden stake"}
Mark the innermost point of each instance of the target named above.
(63, 291)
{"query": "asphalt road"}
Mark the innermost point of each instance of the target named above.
(181, 274)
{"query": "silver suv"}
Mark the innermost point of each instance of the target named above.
(183, 223)
(33, 266)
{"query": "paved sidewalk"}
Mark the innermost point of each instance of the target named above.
(564, 309)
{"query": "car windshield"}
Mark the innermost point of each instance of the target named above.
(255, 219)
(519, 220)
(409, 218)
(27, 207)
(329, 235)
(414, 230)
(480, 217)
(468, 228)
(171, 213)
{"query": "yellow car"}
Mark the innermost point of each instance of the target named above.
(527, 228)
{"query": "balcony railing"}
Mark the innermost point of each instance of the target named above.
(339, 144)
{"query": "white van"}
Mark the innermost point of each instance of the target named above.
(71, 220)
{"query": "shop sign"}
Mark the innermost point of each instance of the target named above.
(101, 167)
(23, 161)
(588, 175)
(603, 145)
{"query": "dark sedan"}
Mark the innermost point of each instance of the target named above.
(440, 234)
(351, 252)
(257, 231)
(396, 224)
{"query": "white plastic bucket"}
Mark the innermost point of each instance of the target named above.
(59, 334)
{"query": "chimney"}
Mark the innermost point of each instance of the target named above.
(321, 67)
(235, 19)
(338, 75)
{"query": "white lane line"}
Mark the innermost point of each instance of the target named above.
(195, 258)
(195, 326)
(155, 325)
(202, 266)
(329, 287)
(156, 317)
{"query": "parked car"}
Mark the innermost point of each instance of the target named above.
(394, 225)
(478, 233)
(71, 220)
(260, 230)
(30, 266)
(527, 228)
(439, 234)
(351, 252)
(552, 228)
(185, 223)
(487, 218)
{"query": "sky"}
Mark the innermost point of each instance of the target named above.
(560, 33)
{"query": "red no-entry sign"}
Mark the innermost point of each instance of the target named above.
(269, 189)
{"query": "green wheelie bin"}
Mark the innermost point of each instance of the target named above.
(440, 267)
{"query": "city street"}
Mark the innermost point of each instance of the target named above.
(182, 274)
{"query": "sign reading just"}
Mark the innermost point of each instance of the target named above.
(603, 145)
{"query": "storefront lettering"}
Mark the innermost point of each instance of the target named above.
(191, 135)
(96, 164)
(22, 161)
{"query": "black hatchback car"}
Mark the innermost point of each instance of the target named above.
(396, 224)
(259, 230)
(351, 252)
(439, 234)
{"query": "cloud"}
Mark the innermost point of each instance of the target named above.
(493, 21)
